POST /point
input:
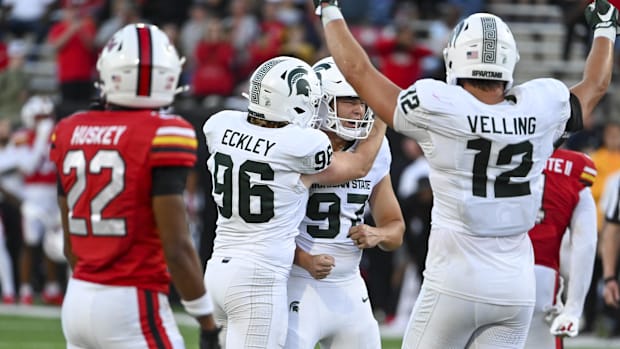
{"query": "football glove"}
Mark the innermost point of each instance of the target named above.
(318, 7)
(565, 325)
(210, 339)
(601, 14)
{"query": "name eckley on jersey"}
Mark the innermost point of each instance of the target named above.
(247, 142)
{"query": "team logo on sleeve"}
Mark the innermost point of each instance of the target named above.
(294, 307)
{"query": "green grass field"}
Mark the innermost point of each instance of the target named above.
(25, 332)
(20, 332)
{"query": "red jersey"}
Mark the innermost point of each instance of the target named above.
(44, 172)
(104, 160)
(76, 60)
(566, 174)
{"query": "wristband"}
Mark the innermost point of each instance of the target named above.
(200, 306)
(329, 14)
(608, 32)
(609, 279)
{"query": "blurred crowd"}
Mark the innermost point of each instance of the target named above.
(223, 41)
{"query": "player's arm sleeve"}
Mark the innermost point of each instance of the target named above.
(575, 122)
(169, 180)
(582, 252)
(314, 156)
(423, 106)
(610, 201)
(174, 144)
(59, 189)
(409, 116)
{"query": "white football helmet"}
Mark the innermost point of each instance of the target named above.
(335, 85)
(285, 89)
(481, 47)
(36, 106)
(139, 68)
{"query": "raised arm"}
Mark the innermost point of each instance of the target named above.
(373, 87)
(346, 166)
(599, 63)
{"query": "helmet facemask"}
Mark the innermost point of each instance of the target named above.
(336, 86)
(346, 128)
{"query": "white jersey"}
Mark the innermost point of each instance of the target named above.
(610, 201)
(257, 185)
(487, 159)
(486, 164)
(332, 210)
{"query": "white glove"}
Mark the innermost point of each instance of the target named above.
(565, 325)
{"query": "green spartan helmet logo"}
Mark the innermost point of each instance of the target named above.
(294, 307)
(297, 82)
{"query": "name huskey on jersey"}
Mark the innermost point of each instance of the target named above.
(354, 184)
(105, 135)
(509, 126)
(246, 142)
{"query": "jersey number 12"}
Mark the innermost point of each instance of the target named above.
(503, 187)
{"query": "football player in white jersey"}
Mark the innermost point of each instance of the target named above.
(262, 163)
(334, 310)
(610, 240)
(486, 143)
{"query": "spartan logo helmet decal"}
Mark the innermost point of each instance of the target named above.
(297, 82)
(320, 68)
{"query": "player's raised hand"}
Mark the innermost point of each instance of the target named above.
(601, 14)
(565, 325)
(318, 5)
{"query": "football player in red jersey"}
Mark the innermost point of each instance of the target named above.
(121, 175)
(39, 211)
(567, 203)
